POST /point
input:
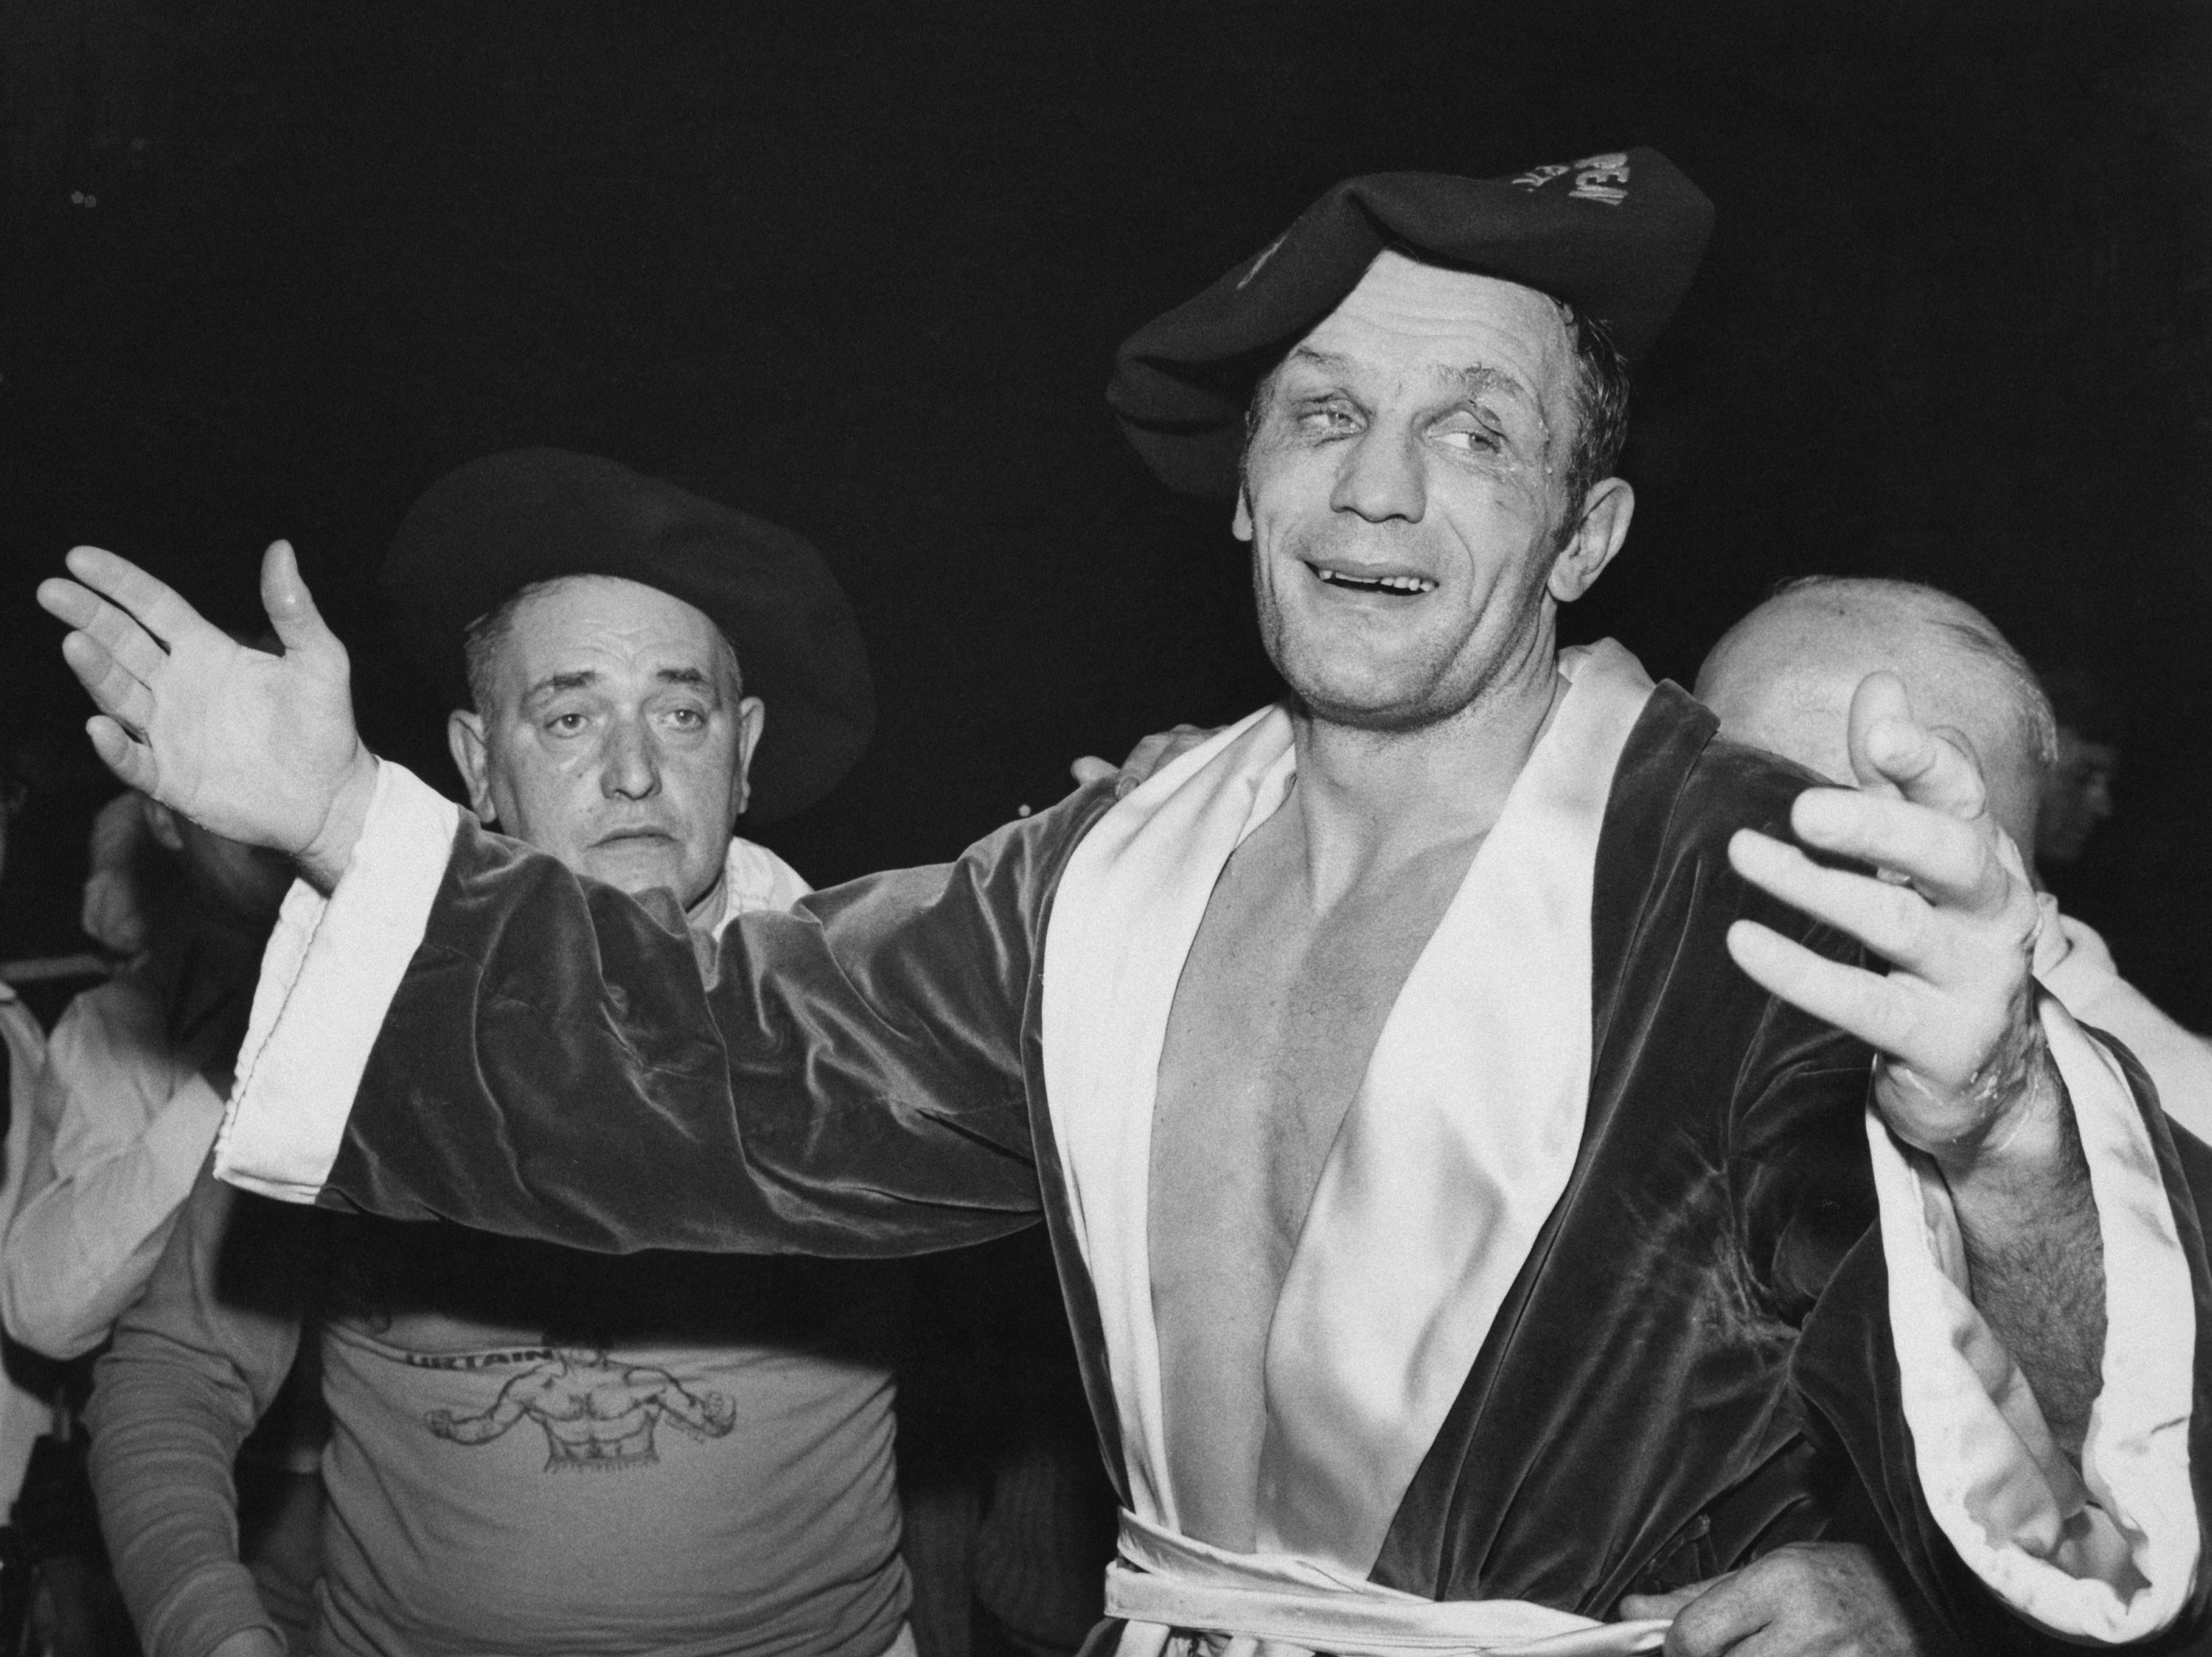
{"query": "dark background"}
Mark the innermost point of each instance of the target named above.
(269, 266)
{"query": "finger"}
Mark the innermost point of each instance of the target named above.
(154, 605)
(1892, 752)
(1948, 860)
(1144, 758)
(1090, 768)
(139, 652)
(291, 606)
(132, 762)
(1635, 1607)
(1184, 737)
(119, 693)
(1891, 920)
(66, 601)
(1717, 1620)
(1931, 768)
(1876, 1009)
(111, 626)
(1880, 703)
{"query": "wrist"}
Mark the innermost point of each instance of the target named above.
(324, 859)
(2028, 1136)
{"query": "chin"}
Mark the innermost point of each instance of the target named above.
(636, 869)
(1387, 718)
(1371, 701)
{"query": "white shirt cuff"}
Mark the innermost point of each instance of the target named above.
(328, 977)
(2108, 1554)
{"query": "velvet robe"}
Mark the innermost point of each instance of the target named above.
(1694, 1363)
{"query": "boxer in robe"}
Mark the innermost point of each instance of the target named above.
(1469, 1208)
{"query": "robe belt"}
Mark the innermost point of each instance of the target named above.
(1270, 1605)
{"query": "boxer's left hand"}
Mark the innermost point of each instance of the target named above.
(1954, 915)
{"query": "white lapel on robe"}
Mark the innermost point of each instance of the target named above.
(1455, 1151)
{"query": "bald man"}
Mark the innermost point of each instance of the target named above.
(1782, 679)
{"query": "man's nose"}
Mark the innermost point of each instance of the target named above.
(1381, 476)
(629, 767)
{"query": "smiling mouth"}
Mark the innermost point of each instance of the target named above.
(1396, 587)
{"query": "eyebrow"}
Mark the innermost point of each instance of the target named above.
(584, 678)
(1479, 379)
(1472, 381)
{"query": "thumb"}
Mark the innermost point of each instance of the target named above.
(1884, 736)
(291, 606)
(1893, 754)
(1638, 1607)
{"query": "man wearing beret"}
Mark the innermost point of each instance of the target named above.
(1471, 1215)
(535, 1449)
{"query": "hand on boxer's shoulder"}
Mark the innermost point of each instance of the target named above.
(1161, 748)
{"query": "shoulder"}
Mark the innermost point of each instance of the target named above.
(1681, 785)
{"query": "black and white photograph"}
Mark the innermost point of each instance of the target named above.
(950, 830)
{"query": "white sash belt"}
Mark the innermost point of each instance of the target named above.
(1264, 1605)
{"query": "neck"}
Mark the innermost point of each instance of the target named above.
(1374, 798)
(704, 912)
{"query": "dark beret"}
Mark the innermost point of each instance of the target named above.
(487, 530)
(1617, 236)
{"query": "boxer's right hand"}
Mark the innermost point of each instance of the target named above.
(251, 746)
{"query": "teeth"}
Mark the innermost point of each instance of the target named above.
(1390, 583)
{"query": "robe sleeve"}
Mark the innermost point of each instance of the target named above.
(467, 1030)
(2016, 1549)
(2108, 1552)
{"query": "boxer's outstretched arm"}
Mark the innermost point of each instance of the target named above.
(251, 746)
(1964, 1075)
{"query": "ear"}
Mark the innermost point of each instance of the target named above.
(1596, 537)
(1241, 525)
(465, 741)
(161, 823)
(752, 719)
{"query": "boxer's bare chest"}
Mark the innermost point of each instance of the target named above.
(1277, 1008)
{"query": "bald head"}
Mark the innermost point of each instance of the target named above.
(1782, 679)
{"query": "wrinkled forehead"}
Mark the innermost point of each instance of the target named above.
(1409, 316)
(555, 624)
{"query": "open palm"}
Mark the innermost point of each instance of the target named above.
(251, 746)
(1954, 1014)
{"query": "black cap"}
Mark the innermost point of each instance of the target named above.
(487, 530)
(1617, 236)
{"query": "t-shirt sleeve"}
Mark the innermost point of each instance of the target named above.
(193, 1366)
(467, 1030)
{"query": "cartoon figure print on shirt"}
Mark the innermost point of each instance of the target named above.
(596, 1410)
